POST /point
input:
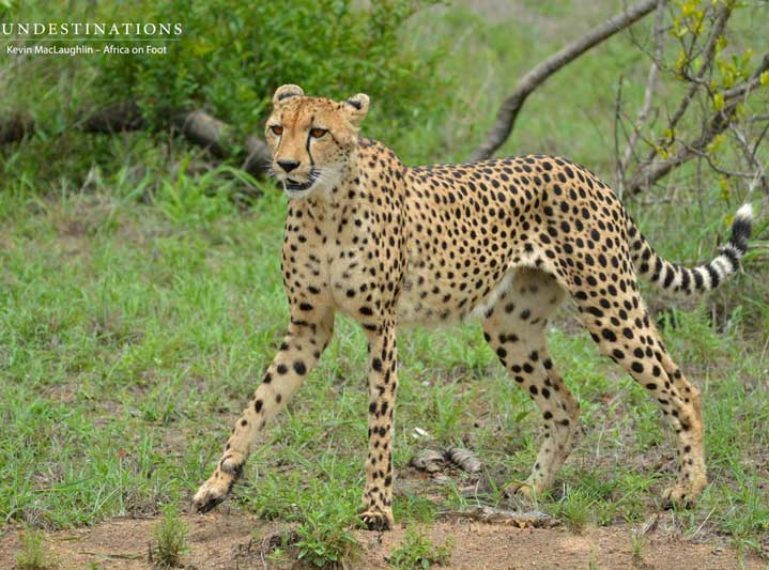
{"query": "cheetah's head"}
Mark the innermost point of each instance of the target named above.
(312, 139)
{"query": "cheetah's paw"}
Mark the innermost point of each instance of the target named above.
(219, 485)
(212, 492)
(681, 495)
(377, 519)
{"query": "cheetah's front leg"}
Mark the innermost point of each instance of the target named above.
(298, 353)
(383, 383)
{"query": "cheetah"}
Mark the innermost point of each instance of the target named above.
(505, 240)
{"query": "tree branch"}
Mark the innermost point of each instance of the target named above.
(718, 123)
(539, 74)
(696, 82)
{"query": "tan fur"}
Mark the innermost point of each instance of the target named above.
(387, 244)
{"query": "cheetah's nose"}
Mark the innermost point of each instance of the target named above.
(288, 165)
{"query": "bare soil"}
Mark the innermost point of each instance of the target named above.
(224, 540)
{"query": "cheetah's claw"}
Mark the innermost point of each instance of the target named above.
(206, 502)
(378, 520)
(213, 492)
(679, 496)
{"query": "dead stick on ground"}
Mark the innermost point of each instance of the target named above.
(493, 515)
(534, 78)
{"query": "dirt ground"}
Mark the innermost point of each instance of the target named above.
(223, 540)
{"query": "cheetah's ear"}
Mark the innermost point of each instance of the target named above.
(357, 107)
(285, 91)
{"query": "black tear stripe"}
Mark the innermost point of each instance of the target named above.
(307, 145)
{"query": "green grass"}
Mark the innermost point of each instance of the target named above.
(34, 554)
(418, 551)
(137, 314)
(170, 542)
(131, 339)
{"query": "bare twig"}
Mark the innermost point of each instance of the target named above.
(758, 175)
(651, 82)
(510, 108)
(657, 169)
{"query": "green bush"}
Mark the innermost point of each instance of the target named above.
(233, 54)
(229, 59)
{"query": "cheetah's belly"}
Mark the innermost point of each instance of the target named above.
(430, 299)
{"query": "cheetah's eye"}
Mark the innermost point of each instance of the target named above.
(317, 133)
(277, 130)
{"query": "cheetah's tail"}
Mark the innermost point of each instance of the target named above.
(673, 277)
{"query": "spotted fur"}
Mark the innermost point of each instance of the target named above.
(507, 239)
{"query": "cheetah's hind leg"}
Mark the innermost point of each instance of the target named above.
(515, 329)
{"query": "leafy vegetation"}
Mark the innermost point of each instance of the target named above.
(34, 554)
(418, 551)
(229, 60)
(170, 540)
(328, 46)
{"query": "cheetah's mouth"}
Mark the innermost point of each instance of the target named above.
(295, 186)
(290, 185)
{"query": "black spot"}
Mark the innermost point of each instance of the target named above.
(609, 335)
(300, 368)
